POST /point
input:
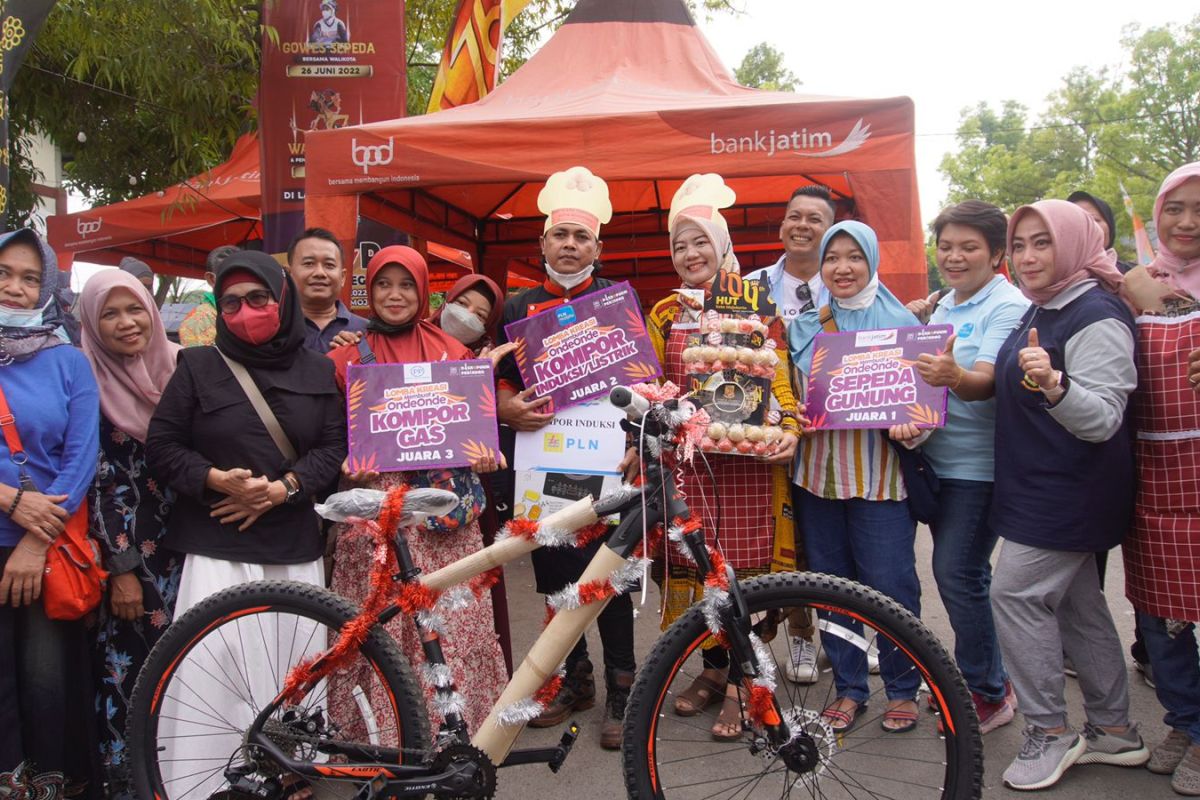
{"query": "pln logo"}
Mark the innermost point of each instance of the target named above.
(86, 227)
(565, 315)
(367, 156)
(418, 373)
(553, 443)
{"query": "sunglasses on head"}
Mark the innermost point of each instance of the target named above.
(804, 296)
(258, 298)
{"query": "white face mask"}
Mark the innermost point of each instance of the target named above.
(570, 281)
(22, 317)
(461, 324)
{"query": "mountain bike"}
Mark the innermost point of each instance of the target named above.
(274, 690)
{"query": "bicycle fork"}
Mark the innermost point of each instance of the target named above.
(736, 625)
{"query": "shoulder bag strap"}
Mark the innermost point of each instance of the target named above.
(16, 450)
(261, 408)
(828, 323)
(365, 354)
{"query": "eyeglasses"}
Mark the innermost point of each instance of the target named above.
(804, 295)
(258, 298)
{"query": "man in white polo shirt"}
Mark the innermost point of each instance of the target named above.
(795, 279)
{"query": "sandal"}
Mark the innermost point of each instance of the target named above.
(901, 717)
(728, 727)
(703, 692)
(843, 718)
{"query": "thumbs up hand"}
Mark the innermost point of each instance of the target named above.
(1035, 362)
(940, 369)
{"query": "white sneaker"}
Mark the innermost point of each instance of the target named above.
(801, 666)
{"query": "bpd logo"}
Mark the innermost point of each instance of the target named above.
(418, 373)
(86, 227)
(565, 315)
(552, 443)
(367, 156)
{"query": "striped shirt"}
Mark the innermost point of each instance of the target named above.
(839, 465)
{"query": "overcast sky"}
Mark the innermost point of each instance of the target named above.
(944, 54)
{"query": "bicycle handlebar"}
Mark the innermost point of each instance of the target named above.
(419, 505)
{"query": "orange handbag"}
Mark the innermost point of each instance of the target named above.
(74, 581)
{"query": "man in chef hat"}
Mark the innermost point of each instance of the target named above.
(576, 204)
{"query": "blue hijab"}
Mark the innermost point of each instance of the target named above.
(873, 307)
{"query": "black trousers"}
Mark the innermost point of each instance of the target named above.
(47, 719)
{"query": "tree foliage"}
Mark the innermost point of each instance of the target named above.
(161, 90)
(1101, 129)
(763, 68)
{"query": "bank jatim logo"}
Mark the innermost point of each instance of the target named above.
(86, 227)
(800, 142)
(367, 156)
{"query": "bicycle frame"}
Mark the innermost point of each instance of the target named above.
(641, 511)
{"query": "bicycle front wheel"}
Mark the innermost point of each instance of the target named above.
(221, 663)
(669, 756)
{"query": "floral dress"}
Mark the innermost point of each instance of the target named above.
(129, 511)
(469, 641)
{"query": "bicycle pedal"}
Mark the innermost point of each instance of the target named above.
(569, 737)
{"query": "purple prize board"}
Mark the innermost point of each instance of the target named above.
(581, 349)
(866, 379)
(420, 415)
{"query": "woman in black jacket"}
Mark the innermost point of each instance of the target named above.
(244, 510)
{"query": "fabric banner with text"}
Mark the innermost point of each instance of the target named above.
(326, 64)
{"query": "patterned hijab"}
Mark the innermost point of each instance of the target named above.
(22, 341)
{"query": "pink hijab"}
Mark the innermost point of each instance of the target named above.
(1176, 272)
(1079, 252)
(130, 387)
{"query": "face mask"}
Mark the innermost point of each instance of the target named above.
(254, 325)
(22, 317)
(570, 281)
(461, 323)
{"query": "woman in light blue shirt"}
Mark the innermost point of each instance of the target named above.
(984, 308)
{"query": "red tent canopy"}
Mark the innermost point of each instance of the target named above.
(172, 230)
(632, 90)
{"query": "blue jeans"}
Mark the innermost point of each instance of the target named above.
(869, 541)
(962, 548)
(1176, 673)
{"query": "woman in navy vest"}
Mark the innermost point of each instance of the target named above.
(1063, 491)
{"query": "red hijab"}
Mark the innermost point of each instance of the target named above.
(414, 341)
(485, 286)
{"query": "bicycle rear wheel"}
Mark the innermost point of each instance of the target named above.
(668, 756)
(223, 661)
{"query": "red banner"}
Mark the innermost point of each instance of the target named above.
(326, 64)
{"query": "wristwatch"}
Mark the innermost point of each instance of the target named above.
(293, 490)
(1054, 394)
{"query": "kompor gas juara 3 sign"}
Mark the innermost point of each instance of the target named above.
(420, 415)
